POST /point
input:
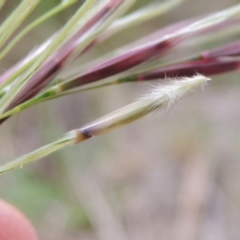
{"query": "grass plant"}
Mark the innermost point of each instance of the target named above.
(35, 78)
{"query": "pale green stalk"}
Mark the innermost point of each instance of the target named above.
(100, 28)
(219, 16)
(63, 5)
(16, 18)
(58, 40)
(64, 33)
(67, 140)
(23, 65)
(139, 17)
(157, 98)
(209, 21)
(52, 93)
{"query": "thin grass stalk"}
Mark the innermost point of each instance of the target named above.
(159, 97)
(68, 139)
(140, 16)
(11, 24)
(60, 7)
(19, 68)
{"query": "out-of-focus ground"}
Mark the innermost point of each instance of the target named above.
(173, 175)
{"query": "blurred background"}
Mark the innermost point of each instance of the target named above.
(173, 175)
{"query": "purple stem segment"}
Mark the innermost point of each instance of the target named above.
(190, 68)
(217, 61)
(119, 64)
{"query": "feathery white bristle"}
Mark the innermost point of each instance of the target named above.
(172, 89)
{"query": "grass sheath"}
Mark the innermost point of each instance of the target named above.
(160, 96)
